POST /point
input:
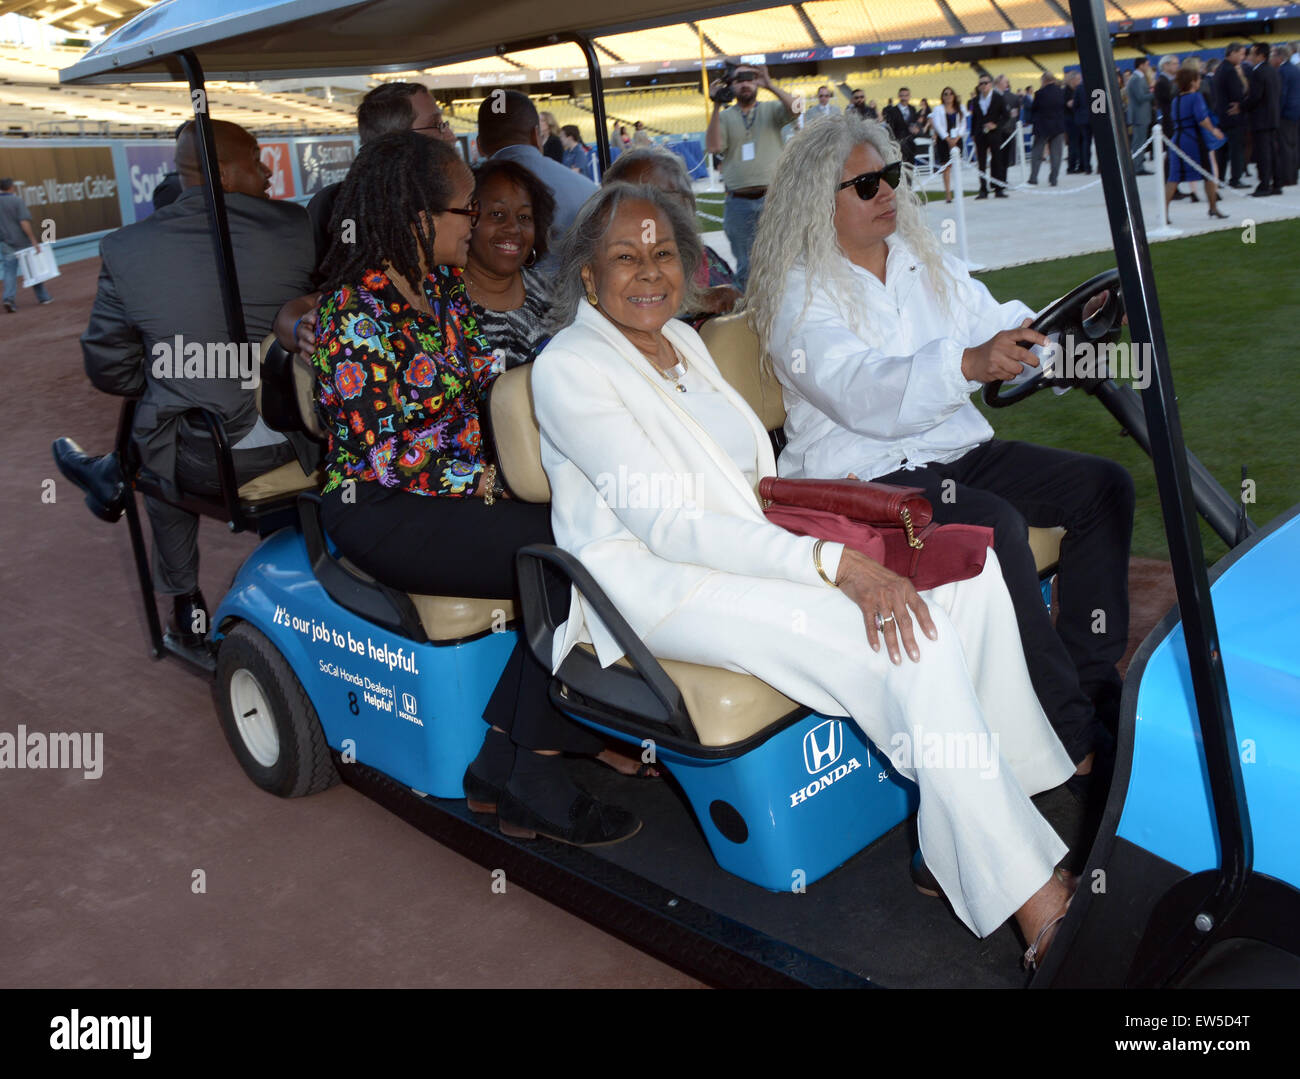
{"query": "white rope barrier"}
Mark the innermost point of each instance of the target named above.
(1054, 194)
(1208, 176)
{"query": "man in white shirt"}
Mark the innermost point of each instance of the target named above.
(890, 401)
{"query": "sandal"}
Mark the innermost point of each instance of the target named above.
(1032, 954)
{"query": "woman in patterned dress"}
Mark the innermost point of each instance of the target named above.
(410, 493)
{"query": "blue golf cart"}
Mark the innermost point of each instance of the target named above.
(775, 853)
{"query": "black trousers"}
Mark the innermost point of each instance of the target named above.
(1012, 485)
(1232, 154)
(1265, 157)
(176, 531)
(991, 159)
(462, 547)
(1080, 139)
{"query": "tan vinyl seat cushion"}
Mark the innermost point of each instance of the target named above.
(1046, 545)
(726, 707)
(449, 618)
(517, 437)
(286, 480)
(734, 348)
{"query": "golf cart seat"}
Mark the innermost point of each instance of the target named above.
(781, 793)
(734, 347)
(286, 400)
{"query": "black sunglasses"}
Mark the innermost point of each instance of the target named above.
(472, 213)
(868, 184)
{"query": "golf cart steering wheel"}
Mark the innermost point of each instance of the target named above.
(1065, 318)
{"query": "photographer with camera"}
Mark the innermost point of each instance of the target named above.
(748, 136)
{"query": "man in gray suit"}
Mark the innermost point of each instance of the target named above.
(1140, 98)
(158, 332)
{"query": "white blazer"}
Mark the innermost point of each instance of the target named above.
(939, 121)
(640, 493)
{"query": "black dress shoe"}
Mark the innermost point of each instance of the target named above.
(182, 626)
(999, 194)
(1236, 183)
(590, 823)
(922, 878)
(100, 477)
(982, 195)
(481, 795)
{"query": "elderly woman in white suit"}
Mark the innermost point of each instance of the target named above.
(653, 460)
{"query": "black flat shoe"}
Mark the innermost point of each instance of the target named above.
(922, 878)
(480, 795)
(185, 610)
(100, 477)
(590, 823)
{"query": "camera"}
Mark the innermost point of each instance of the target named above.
(724, 95)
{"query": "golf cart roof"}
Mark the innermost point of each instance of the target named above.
(248, 40)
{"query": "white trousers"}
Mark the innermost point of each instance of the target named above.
(963, 723)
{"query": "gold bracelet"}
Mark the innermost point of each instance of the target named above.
(489, 488)
(817, 561)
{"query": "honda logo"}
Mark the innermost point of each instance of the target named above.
(823, 745)
(408, 703)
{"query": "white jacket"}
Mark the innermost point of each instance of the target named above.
(939, 121)
(866, 400)
(640, 494)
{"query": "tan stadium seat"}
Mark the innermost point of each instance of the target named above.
(734, 348)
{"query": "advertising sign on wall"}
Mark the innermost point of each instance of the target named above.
(322, 162)
(145, 168)
(75, 188)
(277, 157)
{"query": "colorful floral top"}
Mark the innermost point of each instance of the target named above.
(400, 391)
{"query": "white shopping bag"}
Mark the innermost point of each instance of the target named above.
(37, 265)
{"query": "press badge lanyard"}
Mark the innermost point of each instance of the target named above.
(747, 147)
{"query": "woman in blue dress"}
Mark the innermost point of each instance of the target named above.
(1196, 136)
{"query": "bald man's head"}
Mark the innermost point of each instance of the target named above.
(241, 165)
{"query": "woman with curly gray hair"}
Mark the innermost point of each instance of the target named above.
(879, 338)
(653, 459)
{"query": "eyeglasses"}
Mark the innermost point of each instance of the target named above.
(441, 125)
(472, 213)
(868, 184)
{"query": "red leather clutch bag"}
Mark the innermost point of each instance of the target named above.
(881, 504)
(891, 525)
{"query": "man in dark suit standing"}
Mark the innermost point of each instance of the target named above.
(1230, 89)
(1078, 123)
(1263, 112)
(158, 332)
(1049, 127)
(988, 111)
(1288, 128)
(904, 123)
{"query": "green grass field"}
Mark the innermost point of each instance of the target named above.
(1231, 311)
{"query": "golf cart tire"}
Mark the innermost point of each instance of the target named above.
(268, 718)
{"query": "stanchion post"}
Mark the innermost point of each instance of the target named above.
(954, 163)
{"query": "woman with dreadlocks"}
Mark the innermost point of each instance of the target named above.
(410, 494)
